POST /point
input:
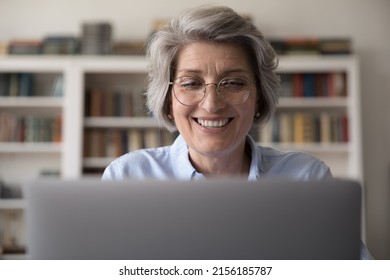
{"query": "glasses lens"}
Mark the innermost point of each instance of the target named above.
(188, 90)
(234, 91)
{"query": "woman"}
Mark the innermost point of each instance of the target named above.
(211, 78)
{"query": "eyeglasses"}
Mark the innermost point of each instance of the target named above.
(192, 90)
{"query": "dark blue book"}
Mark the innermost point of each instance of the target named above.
(25, 84)
(309, 85)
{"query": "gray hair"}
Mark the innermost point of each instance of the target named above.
(211, 23)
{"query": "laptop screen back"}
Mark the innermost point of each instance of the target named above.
(213, 219)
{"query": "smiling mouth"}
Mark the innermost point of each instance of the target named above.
(213, 124)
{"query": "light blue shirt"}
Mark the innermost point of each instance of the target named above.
(172, 162)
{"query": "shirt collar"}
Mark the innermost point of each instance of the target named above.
(184, 170)
(182, 167)
(254, 172)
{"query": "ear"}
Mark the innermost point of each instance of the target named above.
(169, 109)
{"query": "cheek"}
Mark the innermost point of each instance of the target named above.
(251, 106)
(178, 111)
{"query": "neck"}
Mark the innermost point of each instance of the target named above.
(233, 164)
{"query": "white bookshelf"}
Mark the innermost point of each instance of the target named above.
(24, 161)
(345, 159)
(79, 72)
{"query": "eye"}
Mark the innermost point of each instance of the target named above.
(233, 84)
(189, 83)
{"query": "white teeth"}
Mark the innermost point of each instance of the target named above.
(208, 123)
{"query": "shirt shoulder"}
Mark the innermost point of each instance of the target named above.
(140, 164)
(291, 164)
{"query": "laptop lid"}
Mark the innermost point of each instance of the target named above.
(213, 219)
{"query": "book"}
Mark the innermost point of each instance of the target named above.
(285, 128)
(86, 143)
(126, 104)
(339, 84)
(265, 133)
(58, 86)
(25, 84)
(4, 84)
(308, 86)
(108, 104)
(151, 138)
(97, 143)
(298, 119)
(135, 139)
(118, 148)
(308, 128)
(3, 48)
(57, 129)
(286, 85)
(96, 103)
(14, 85)
(325, 128)
(139, 104)
(298, 85)
(345, 128)
(320, 85)
(335, 85)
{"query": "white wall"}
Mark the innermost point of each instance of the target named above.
(365, 21)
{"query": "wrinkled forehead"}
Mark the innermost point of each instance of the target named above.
(202, 57)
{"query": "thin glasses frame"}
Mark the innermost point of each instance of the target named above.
(189, 90)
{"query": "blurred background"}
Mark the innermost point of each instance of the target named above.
(365, 22)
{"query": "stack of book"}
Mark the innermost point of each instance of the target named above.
(309, 45)
(128, 48)
(60, 45)
(25, 47)
(96, 38)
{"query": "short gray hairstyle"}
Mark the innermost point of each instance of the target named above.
(212, 23)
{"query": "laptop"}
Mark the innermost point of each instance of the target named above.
(220, 219)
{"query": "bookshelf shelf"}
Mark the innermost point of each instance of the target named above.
(120, 122)
(315, 63)
(313, 103)
(30, 147)
(12, 204)
(317, 148)
(97, 162)
(31, 102)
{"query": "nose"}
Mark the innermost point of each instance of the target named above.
(212, 102)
